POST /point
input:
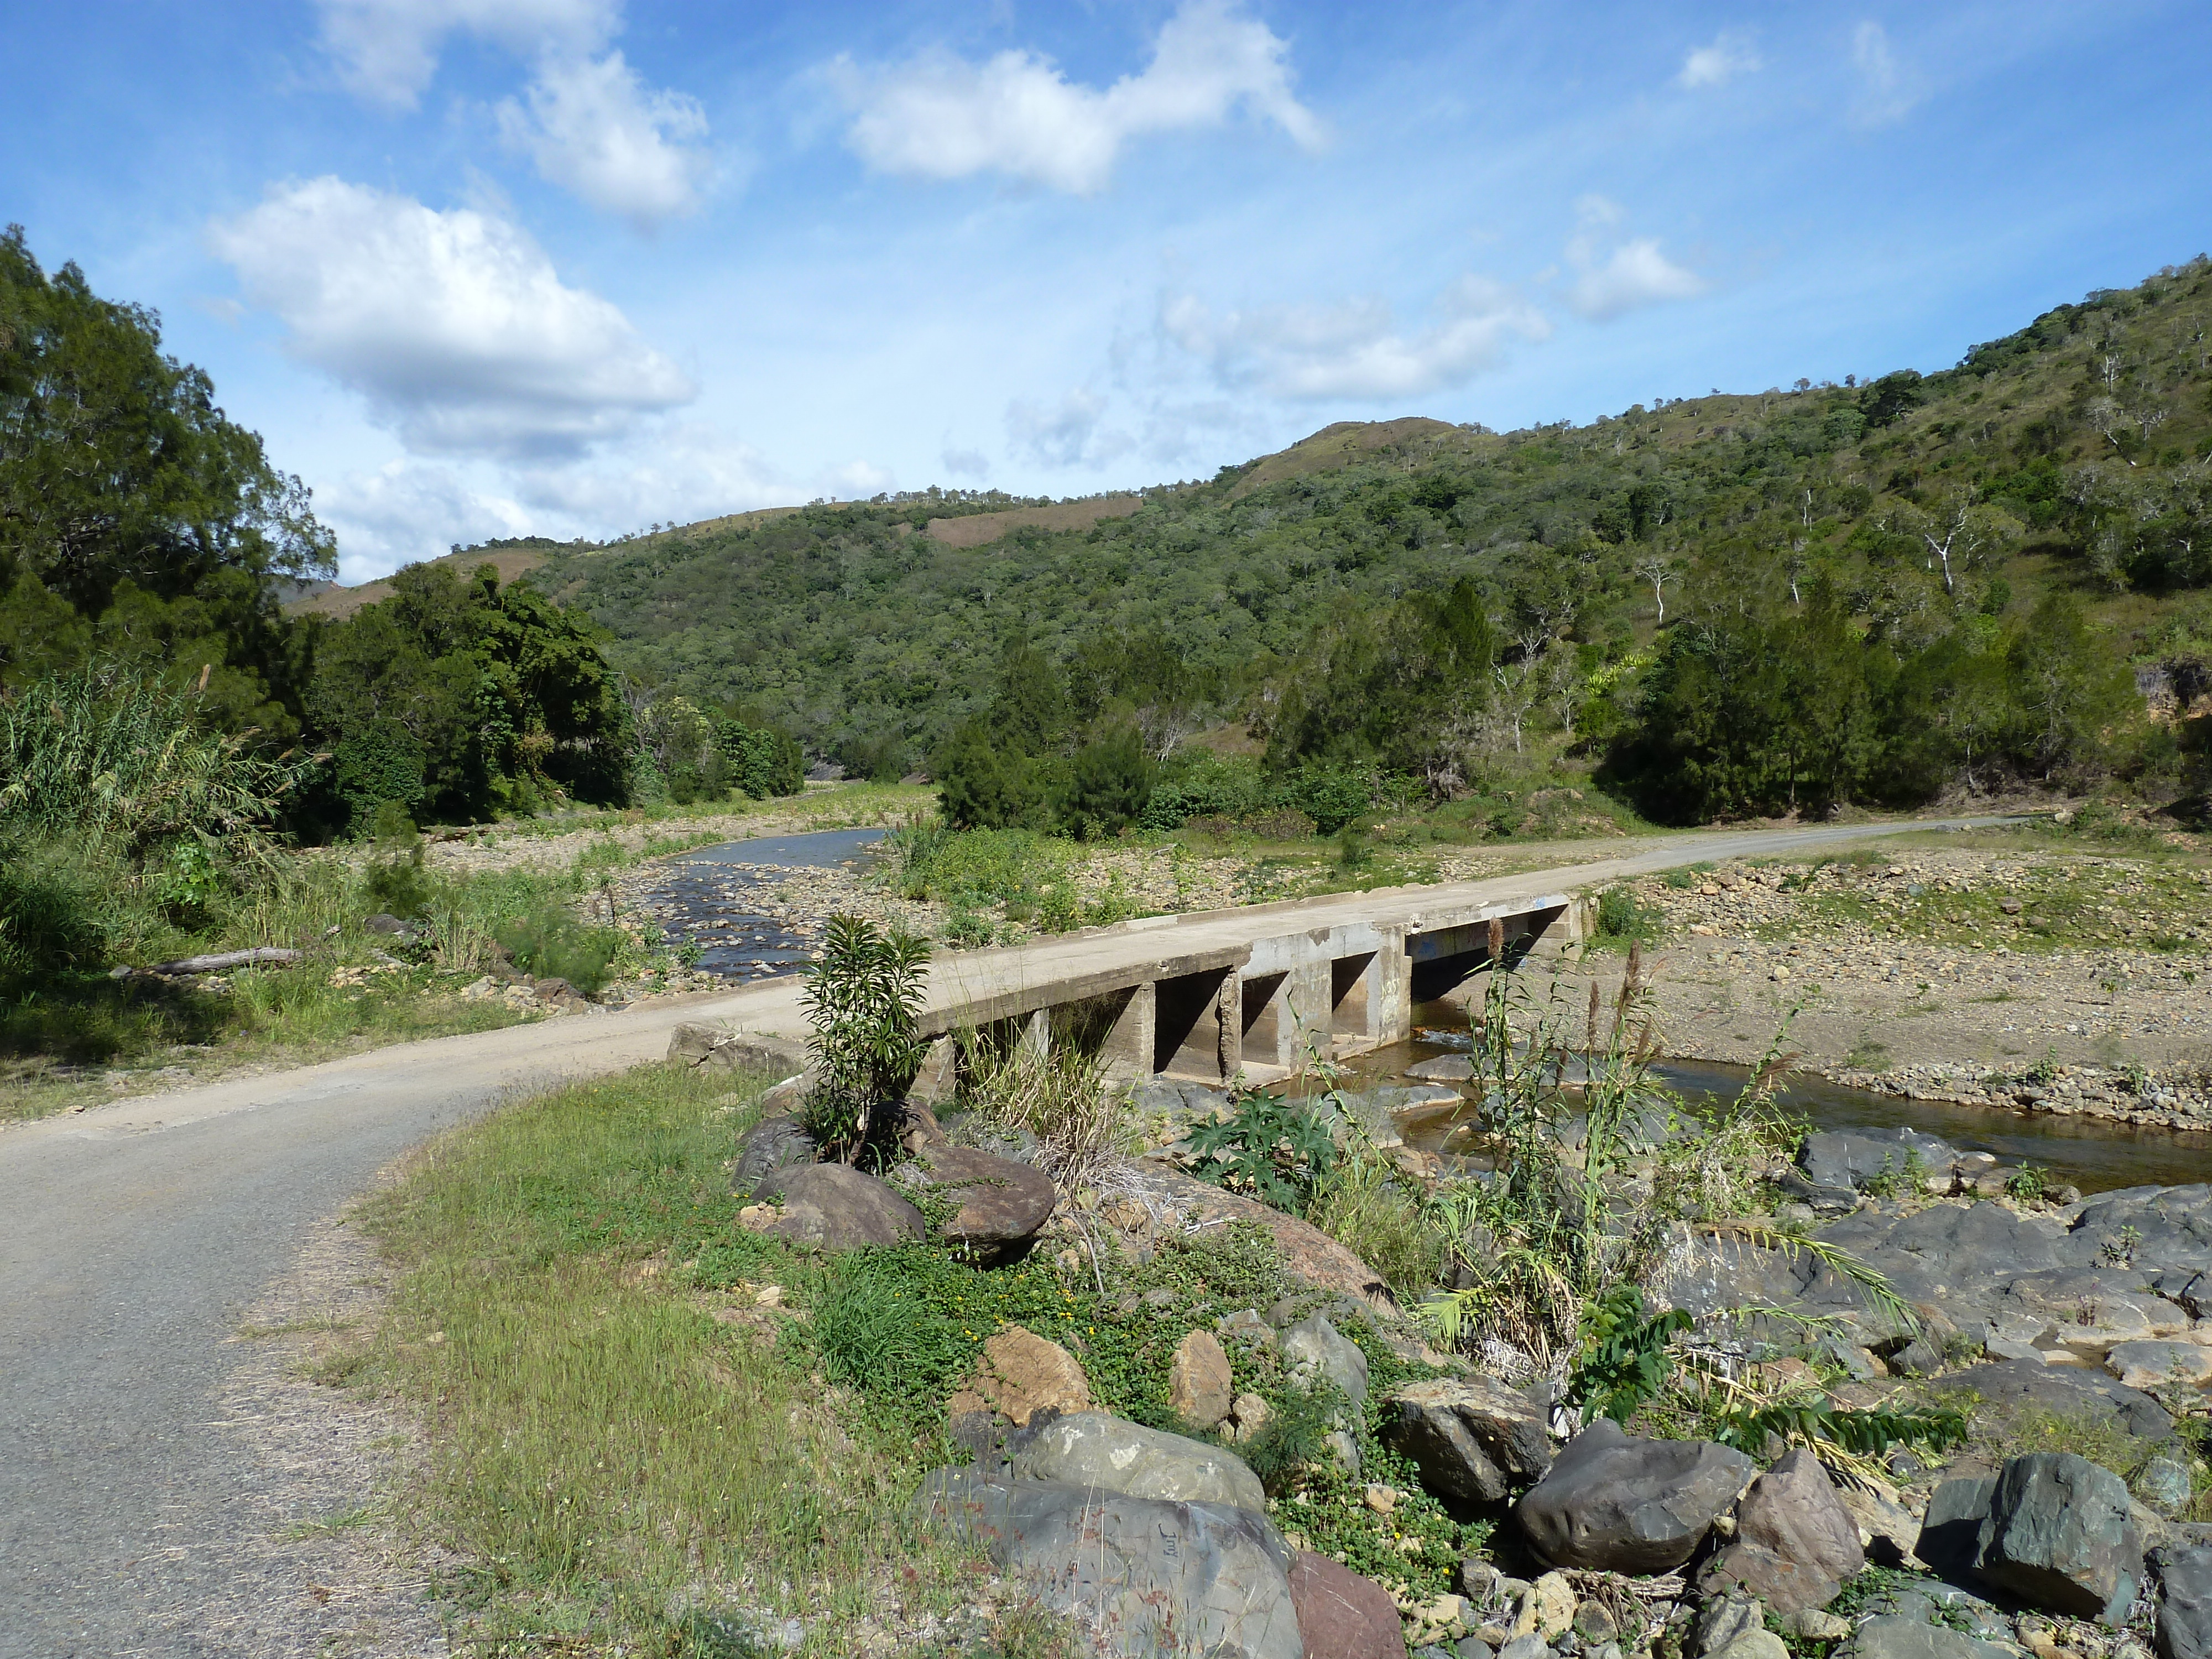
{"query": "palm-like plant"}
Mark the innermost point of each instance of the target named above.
(863, 995)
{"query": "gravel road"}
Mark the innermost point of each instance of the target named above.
(137, 1238)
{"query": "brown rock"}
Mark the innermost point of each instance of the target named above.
(1019, 1374)
(838, 1208)
(1311, 1256)
(1002, 1203)
(1199, 1387)
(696, 1045)
(1796, 1542)
(1342, 1616)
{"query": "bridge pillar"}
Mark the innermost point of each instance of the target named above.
(1370, 995)
(1036, 1040)
(1127, 1050)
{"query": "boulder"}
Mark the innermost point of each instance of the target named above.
(1200, 1386)
(1618, 1502)
(1342, 1616)
(1002, 1203)
(1724, 1619)
(837, 1208)
(1316, 1351)
(2160, 1364)
(1831, 1157)
(1147, 1576)
(1309, 1256)
(1950, 1542)
(1019, 1375)
(1795, 1542)
(2066, 1391)
(1900, 1636)
(1761, 1644)
(1893, 1531)
(2165, 1484)
(696, 1045)
(772, 1144)
(2184, 1615)
(1091, 1448)
(2061, 1534)
(1473, 1439)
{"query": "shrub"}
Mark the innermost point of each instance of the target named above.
(1275, 1148)
(552, 943)
(1112, 780)
(51, 913)
(1361, 1204)
(1622, 915)
(862, 995)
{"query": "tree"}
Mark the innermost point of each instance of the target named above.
(1112, 780)
(983, 785)
(137, 522)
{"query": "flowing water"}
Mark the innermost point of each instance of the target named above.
(714, 896)
(2090, 1153)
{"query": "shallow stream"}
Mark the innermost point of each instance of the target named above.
(713, 895)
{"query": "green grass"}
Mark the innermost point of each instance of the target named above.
(616, 1466)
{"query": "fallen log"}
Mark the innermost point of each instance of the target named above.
(272, 956)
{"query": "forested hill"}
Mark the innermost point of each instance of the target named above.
(2069, 456)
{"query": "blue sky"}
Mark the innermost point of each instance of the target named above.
(572, 267)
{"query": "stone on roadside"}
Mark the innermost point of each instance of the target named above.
(1147, 1575)
(1315, 1351)
(1613, 1502)
(696, 1045)
(1091, 1448)
(1341, 1614)
(1019, 1375)
(1795, 1542)
(772, 1144)
(1002, 1203)
(836, 1208)
(1472, 1438)
(1199, 1381)
(2185, 1615)
(2061, 1534)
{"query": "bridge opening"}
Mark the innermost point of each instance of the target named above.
(1187, 1029)
(1351, 995)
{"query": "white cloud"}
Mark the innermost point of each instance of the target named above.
(595, 130)
(1730, 54)
(1354, 349)
(386, 50)
(941, 117)
(1635, 275)
(408, 510)
(965, 462)
(454, 325)
(687, 472)
(1887, 90)
(1066, 433)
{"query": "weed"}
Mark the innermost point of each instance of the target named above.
(1868, 1054)
(1622, 916)
(1362, 1203)
(550, 943)
(1898, 1178)
(1061, 1097)
(2028, 1184)
(1270, 1145)
(862, 995)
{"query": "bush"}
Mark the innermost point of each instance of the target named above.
(1331, 796)
(552, 943)
(51, 913)
(1111, 783)
(982, 785)
(862, 995)
(1622, 915)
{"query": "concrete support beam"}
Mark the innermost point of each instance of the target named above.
(1036, 1040)
(1127, 1050)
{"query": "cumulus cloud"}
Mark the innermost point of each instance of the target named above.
(1066, 433)
(410, 510)
(453, 325)
(594, 128)
(1633, 275)
(1728, 55)
(1887, 90)
(942, 117)
(1354, 349)
(386, 50)
(689, 472)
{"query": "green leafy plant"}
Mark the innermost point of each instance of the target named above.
(1624, 1360)
(550, 943)
(1903, 1177)
(863, 994)
(1270, 1145)
(1622, 915)
(2028, 1184)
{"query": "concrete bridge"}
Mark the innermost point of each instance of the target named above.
(1208, 995)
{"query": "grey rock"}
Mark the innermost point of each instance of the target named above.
(2185, 1615)
(1346, 1450)
(1473, 1439)
(1722, 1619)
(1314, 1350)
(1595, 1624)
(1090, 1448)
(1899, 1636)
(1853, 1361)
(937, 1078)
(1473, 1647)
(1149, 1575)
(1016, 1145)
(1761, 1644)
(1950, 1542)
(773, 1144)
(2061, 1534)
(1832, 1157)
(696, 1044)
(2165, 1483)
(1444, 1068)
(2067, 1390)
(1526, 1647)
(838, 1208)
(1894, 1531)
(1919, 1358)
(387, 925)
(1480, 1581)
(1615, 1502)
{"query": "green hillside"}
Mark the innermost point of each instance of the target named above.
(2068, 458)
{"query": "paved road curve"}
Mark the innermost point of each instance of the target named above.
(132, 1235)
